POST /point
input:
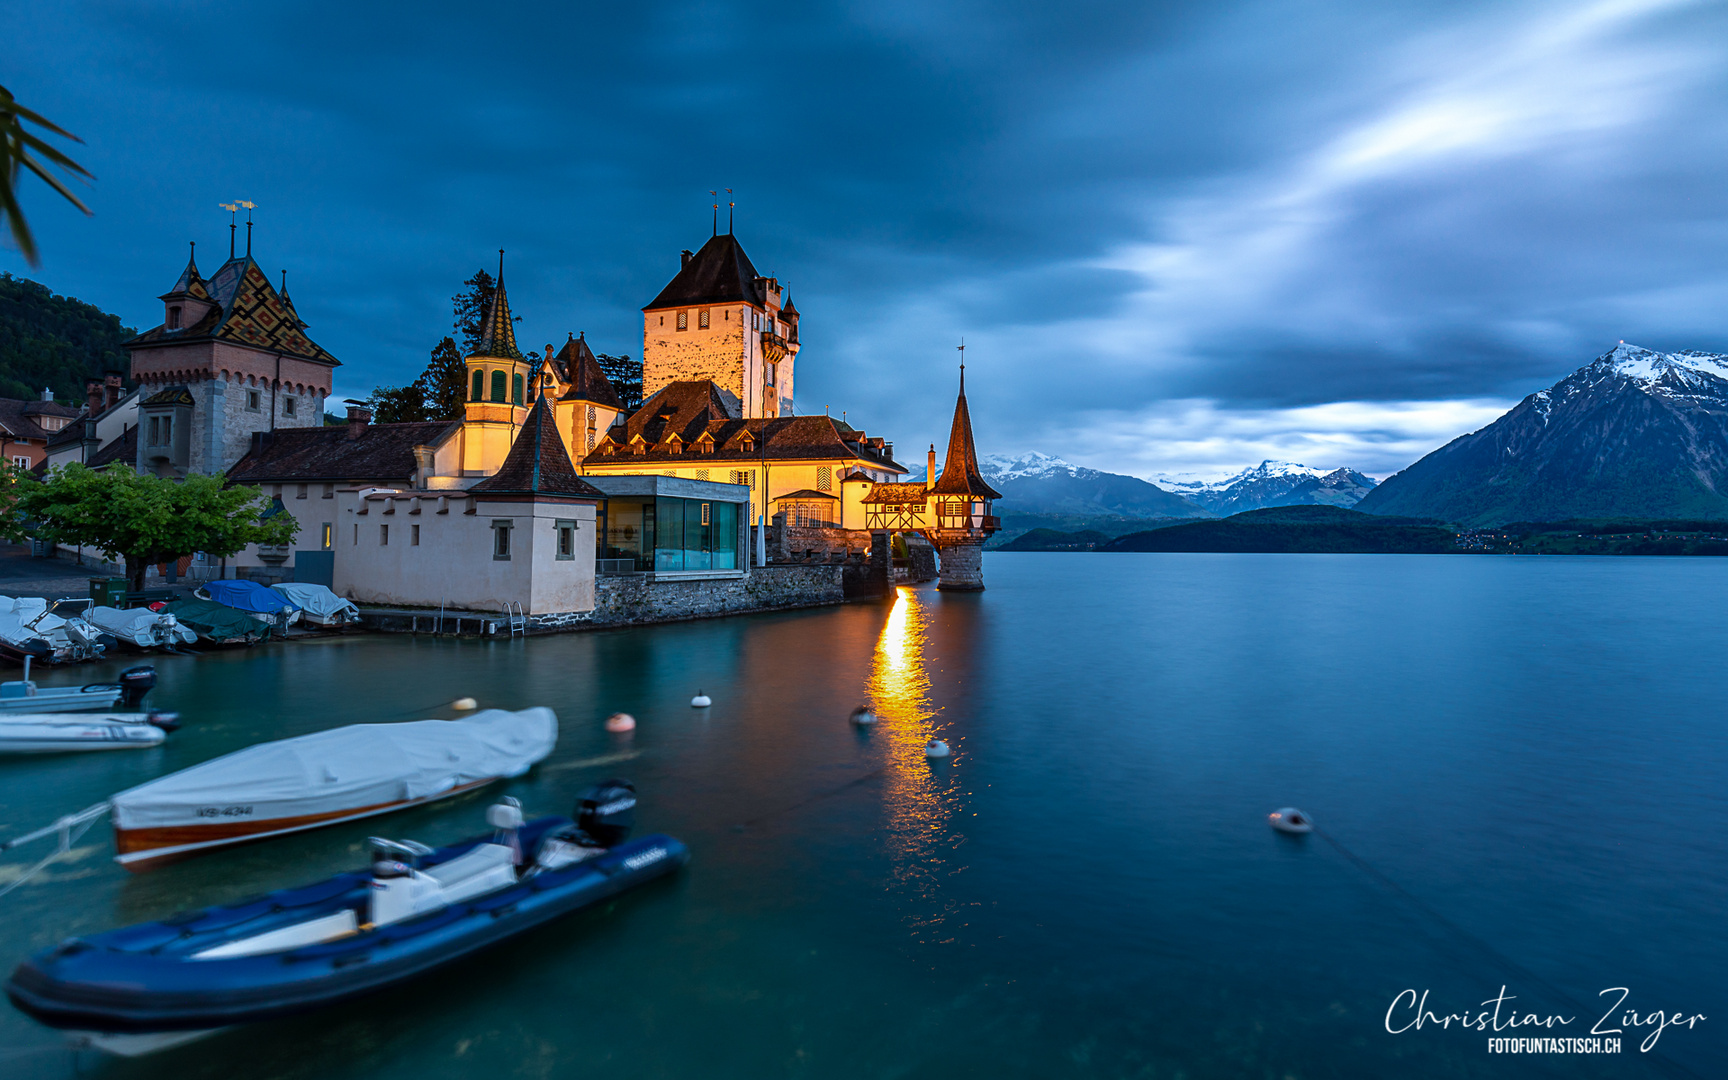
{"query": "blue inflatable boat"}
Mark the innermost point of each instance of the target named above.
(295, 950)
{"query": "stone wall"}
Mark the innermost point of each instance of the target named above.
(962, 568)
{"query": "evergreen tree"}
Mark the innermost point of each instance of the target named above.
(469, 307)
(444, 385)
(625, 375)
(398, 404)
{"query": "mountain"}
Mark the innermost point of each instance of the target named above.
(54, 342)
(1329, 529)
(1633, 433)
(1041, 484)
(1272, 483)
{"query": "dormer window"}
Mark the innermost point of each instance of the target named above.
(174, 318)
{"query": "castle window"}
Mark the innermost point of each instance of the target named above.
(356, 533)
(300, 491)
(155, 431)
(702, 319)
(499, 387)
(328, 536)
(173, 318)
(478, 391)
(501, 540)
(683, 320)
(755, 320)
(287, 406)
(516, 389)
(727, 315)
(329, 491)
(662, 320)
(251, 401)
(383, 535)
(566, 540)
(21, 462)
(769, 373)
(413, 536)
(824, 478)
(746, 477)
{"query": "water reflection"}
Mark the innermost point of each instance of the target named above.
(922, 799)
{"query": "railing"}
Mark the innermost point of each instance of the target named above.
(615, 567)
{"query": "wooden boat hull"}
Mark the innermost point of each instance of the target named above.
(147, 848)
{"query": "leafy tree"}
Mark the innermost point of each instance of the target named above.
(15, 146)
(625, 375)
(444, 384)
(398, 404)
(54, 341)
(147, 519)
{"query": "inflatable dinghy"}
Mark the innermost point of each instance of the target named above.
(296, 950)
(1290, 820)
(56, 733)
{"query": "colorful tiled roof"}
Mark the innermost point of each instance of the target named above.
(718, 274)
(249, 311)
(498, 327)
(538, 464)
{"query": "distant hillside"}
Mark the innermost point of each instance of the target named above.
(1272, 483)
(1053, 540)
(1297, 528)
(54, 342)
(1107, 525)
(1634, 433)
(1041, 484)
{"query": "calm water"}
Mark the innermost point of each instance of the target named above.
(1532, 750)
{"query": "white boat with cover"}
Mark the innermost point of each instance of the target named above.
(318, 605)
(31, 626)
(141, 628)
(324, 778)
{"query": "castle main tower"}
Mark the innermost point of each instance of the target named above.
(719, 320)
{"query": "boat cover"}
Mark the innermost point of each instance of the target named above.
(344, 768)
(249, 596)
(214, 621)
(317, 601)
(16, 613)
(142, 627)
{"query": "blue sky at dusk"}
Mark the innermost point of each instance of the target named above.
(1176, 237)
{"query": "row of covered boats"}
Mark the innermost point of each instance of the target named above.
(156, 984)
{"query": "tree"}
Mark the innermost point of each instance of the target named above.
(469, 308)
(398, 404)
(148, 519)
(53, 341)
(444, 385)
(625, 375)
(15, 146)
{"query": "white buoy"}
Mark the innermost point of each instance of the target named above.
(464, 704)
(701, 701)
(935, 748)
(863, 717)
(1290, 820)
(620, 722)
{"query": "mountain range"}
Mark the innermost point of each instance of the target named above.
(1269, 484)
(1634, 433)
(1041, 484)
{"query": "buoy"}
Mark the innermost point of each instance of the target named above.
(620, 721)
(863, 717)
(935, 748)
(701, 701)
(1290, 820)
(464, 704)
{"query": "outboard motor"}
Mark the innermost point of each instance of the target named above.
(606, 812)
(134, 684)
(167, 721)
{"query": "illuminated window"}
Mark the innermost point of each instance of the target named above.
(327, 536)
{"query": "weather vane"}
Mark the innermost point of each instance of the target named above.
(730, 206)
(716, 196)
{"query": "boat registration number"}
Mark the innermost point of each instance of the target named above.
(224, 811)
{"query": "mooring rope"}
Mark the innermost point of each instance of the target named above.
(818, 797)
(1657, 1058)
(69, 828)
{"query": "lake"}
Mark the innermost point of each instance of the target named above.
(1516, 766)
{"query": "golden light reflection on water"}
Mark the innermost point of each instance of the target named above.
(921, 799)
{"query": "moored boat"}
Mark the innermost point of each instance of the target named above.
(32, 628)
(55, 733)
(141, 628)
(328, 777)
(318, 605)
(24, 696)
(296, 950)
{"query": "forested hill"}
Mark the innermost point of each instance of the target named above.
(1296, 528)
(54, 341)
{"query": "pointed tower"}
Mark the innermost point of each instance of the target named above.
(497, 388)
(960, 507)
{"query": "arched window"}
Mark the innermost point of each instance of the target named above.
(516, 389)
(498, 387)
(478, 392)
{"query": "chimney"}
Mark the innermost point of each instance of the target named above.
(423, 459)
(888, 450)
(686, 255)
(358, 417)
(930, 469)
(93, 395)
(113, 387)
(47, 393)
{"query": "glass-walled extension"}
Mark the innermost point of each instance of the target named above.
(667, 534)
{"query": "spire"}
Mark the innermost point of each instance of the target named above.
(960, 474)
(497, 328)
(188, 276)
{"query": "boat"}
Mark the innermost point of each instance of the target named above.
(31, 626)
(54, 733)
(24, 696)
(296, 950)
(1290, 820)
(328, 777)
(259, 602)
(318, 605)
(217, 625)
(141, 628)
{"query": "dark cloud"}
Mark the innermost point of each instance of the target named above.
(1262, 208)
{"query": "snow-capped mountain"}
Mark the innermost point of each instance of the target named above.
(1041, 484)
(1633, 433)
(1270, 483)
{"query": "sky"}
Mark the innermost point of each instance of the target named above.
(1175, 238)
